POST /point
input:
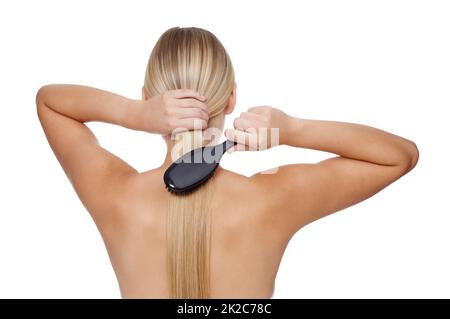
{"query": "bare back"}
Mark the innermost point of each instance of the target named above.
(245, 251)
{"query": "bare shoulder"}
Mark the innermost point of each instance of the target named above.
(140, 197)
(234, 187)
(243, 199)
(299, 194)
(229, 182)
(145, 190)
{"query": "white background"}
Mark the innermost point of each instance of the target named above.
(380, 63)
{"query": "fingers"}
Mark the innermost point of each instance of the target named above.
(187, 110)
(188, 102)
(186, 93)
(183, 110)
(242, 124)
(251, 116)
(243, 139)
(192, 124)
(192, 112)
(248, 120)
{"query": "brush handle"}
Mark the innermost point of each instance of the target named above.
(228, 144)
(222, 148)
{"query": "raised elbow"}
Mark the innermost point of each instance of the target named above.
(415, 156)
(412, 157)
(40, 95)
(41, 101)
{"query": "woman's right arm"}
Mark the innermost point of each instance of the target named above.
(368, 160)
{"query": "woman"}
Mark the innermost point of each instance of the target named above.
(226, 239)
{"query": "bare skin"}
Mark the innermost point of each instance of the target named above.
(253, 218)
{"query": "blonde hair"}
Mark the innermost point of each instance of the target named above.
(190, 58)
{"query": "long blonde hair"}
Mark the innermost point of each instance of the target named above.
(190, 58)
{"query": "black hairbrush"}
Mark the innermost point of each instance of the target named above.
(194, 168)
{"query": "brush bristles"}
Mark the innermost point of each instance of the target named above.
(186, 192)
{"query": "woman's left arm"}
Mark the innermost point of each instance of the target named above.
(97, 175)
